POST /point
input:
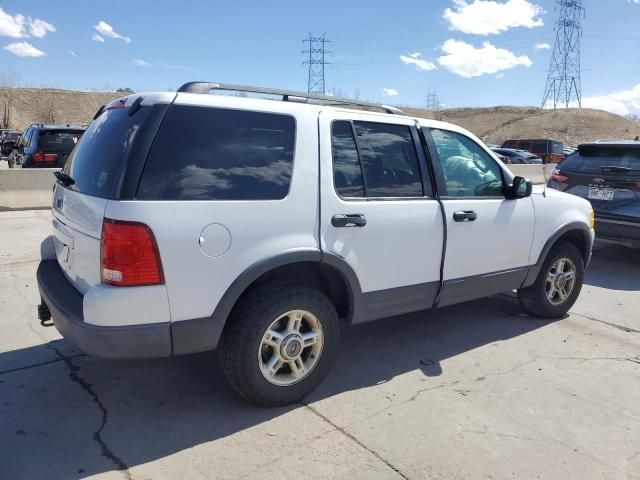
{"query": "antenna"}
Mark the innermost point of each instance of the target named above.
(563, 81)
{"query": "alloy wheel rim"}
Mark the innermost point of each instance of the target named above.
(561, 281)
(290, 348)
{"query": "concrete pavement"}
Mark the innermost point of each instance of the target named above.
(472, 391)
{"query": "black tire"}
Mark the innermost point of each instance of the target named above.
(241, 341)
(534, 299)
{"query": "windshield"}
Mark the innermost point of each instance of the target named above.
(592, 159)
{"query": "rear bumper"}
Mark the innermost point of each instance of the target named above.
(618, 231)
(66, 306)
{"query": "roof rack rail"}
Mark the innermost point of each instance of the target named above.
(287, 95)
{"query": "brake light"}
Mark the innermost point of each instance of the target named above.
(558, 177)
(129, 254)
(40, 156)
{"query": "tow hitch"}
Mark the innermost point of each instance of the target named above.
(44, 315)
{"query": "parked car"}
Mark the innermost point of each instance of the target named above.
(47, 146)
(551, 151)
(7, 140)
(518, 156)
(272, 224)
(608, 175)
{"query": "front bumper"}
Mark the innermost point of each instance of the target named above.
(66, 306)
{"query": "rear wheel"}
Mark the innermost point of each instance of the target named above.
(280, 343)
(558, 284)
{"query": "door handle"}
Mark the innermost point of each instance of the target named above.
(464, 216)
(348, 220)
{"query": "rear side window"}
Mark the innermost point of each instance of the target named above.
(95, 163)
(389, 160)
(61, 141)
(219, 154)
(595, 159)
(539, 147)
(557, 147)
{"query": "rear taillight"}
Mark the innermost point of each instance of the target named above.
(129, 254)
(40, 156)
(558, 177)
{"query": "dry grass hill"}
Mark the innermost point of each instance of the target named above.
(493, 125)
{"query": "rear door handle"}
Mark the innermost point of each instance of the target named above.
(464, 216)
(348, 220)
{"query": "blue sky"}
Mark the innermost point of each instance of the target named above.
(403, 48)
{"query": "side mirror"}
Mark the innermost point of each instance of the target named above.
(521, 188)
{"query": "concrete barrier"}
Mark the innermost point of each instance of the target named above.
(536, 173)
(26, 188)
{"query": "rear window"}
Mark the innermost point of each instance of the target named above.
(96, 161)
(592, 158)
(60, 141)
(219, 154)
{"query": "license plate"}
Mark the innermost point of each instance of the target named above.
(597, 193)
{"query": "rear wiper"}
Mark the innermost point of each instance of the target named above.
(65, 179)
(615, 168)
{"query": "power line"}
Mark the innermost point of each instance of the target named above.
(563, 81)
(316, 60)
(433, 104)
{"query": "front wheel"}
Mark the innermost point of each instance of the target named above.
(558, 284)
(280, 343)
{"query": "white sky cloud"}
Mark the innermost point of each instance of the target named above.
(169, 66)
(390, 92)
(19, 26)
(544, 46)
(97, 38)
(468, 61)
(24, 49)
(72, 53)
(414, 59)
(104, 30)
(141, 63)
(622, 102)
(487, 17)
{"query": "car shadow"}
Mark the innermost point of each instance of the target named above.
(82, 416)
(613, 267)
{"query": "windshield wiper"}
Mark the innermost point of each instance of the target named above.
(65, 179)
(615, 168)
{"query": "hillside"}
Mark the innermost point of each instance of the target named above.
(493, 125)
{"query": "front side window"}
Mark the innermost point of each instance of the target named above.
(220, 154)
(389, 160)
(468, 170)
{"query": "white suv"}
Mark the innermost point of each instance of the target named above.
(189, 221)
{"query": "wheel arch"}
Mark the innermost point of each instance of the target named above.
(576, 233)
(328, 272)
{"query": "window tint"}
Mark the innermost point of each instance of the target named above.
(539, 147)
(593, 158)
(469, 171)
(219, 154)
(61, 141)
(96, 161)
(389, 160)
(347, 175)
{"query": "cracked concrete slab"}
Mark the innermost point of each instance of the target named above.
(472, 391)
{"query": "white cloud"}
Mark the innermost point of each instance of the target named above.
(72, 53)
(487, 17)
(39, 28)
(19, 26)
(106, 31)
(24, 49)
(390, 92)
(622, 102)
(169, 66)
(97, 38)
(500, 75)
(414, 59)
(543, 46)
(468, 61)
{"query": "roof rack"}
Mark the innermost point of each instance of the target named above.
(287, 95)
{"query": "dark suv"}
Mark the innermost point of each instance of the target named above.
(47, 146)
(608, 175)
(551, 151)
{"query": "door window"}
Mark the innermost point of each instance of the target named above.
(389, 160)
(347, 174)
(468, 170)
